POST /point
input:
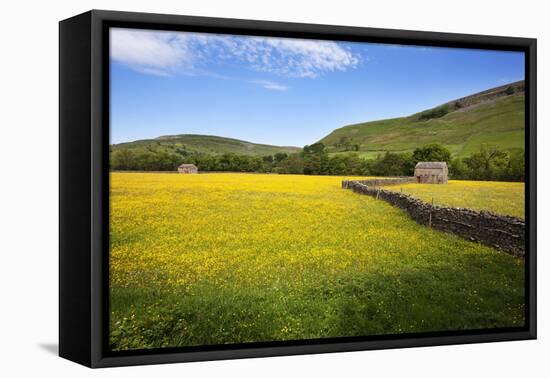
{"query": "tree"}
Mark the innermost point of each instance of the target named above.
(431, 152)
(280, 156)
(316, 148)
(123, 159)
(315, 159)
(438, 112)
(391, 164)
(344, 164)
(182, 151)
(486, 164)
(345, 143)
(515, 170)
(293, 163)
(457, 169)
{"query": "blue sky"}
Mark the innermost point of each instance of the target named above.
(282, 91)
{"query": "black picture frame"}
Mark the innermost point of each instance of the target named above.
(84, 186)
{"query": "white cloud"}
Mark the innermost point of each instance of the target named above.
(168, 53)
(288, 57)
(267, 84)
(156, 53)
(305, 58)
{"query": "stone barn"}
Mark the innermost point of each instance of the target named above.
(434, 172)
(188, 168)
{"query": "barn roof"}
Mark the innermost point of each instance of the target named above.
(187, 166)
(431, 164)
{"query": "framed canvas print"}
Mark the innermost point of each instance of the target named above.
(233, 188)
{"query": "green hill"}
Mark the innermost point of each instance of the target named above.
(495, 117)
(213, 145)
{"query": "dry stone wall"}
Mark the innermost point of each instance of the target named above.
(380, 181)
(499, 231)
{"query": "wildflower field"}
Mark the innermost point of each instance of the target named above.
(507, 198)
(237, 258)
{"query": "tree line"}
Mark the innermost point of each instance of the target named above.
(489, 163)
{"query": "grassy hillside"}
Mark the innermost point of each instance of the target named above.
(213, 145)
(497, 120)
(494, 116)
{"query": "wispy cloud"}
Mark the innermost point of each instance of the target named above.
(154, 53)
(267, 84)
(168, 53)
(290, 57)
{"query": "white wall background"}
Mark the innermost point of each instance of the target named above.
(28, 187)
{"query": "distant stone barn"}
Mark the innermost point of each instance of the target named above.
(188, 168)
(434, 172)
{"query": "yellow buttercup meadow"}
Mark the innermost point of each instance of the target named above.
(235, 258)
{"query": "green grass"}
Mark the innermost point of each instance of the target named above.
(507, 198)
(499, 122)
(208, 144)
(236, 258)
